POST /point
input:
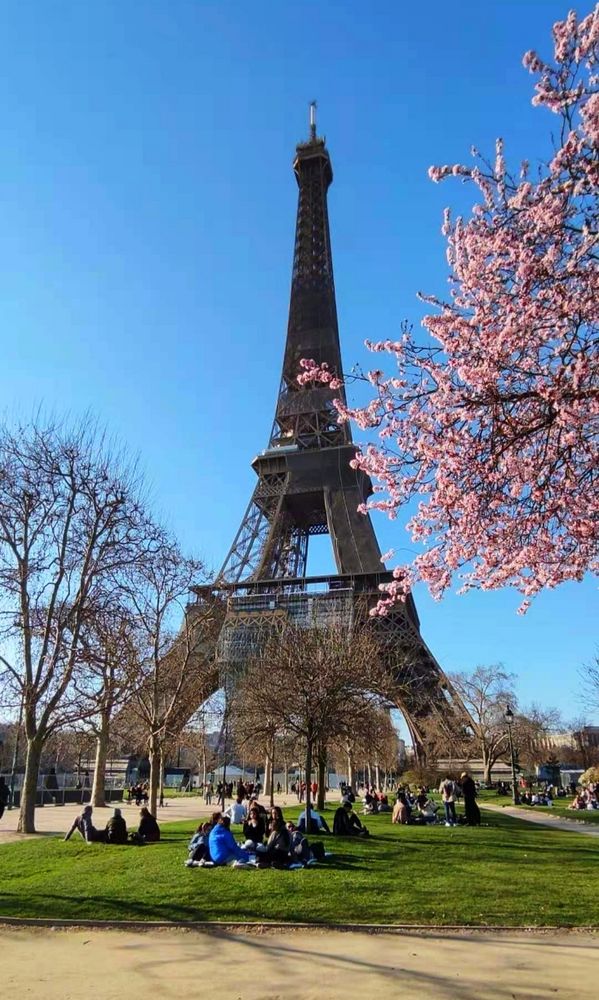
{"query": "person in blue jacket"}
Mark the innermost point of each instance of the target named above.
(222, 845)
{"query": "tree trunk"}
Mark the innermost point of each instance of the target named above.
(487, 765)
(351, 772)
(155, 760)
(161, 783)
(286, 778)
(268, 775)
(272, 776)
(26, 822)
(322, 779)
(377, 775)
(99, 785)
(308, 782)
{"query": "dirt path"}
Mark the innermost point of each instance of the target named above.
(187, 965)
(546, 819)
(56, 820)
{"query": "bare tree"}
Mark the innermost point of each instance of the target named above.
(108, 672)
(307, 682)
(485, 693)
(531, 733)
(368, 735)
(177, 655)
(71, 514)
(590, 679)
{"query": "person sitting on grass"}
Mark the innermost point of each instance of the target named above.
(301, 850)
(237, 811)
(401, 810)
(83, 824)
(347, 824)
(369, 803)
(278, 845)
(116, 829)
(276, 813)
(254, 829)
(254, 804)
(148, 830)
(317, 823)
(383, 802)
(224, 849)
(199, 852)
(427, 809)
(578, 802)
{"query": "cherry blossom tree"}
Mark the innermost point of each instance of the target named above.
(491, 427)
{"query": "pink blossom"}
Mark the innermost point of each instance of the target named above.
(492, 429)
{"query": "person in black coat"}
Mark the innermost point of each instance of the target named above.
(148, 830)
(347, 824)
(470, 807)
(254, 827)
(116, 829)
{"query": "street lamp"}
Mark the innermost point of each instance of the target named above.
(509, 718)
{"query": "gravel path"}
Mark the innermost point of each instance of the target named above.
(546, 819)
(296, 965)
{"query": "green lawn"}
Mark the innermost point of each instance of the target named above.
(559, 807)
(505, 872)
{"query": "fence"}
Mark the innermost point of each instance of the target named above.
(67, 796)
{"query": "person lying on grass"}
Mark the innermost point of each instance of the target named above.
(347, 824)
(83, 824)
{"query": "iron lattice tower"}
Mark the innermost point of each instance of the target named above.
(305, 486)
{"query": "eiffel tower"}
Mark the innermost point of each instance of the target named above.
(305, 487)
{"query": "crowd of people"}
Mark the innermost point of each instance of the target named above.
(139, 793)
(115, 831)
(586, 798)
(268, 841)
(419, 806)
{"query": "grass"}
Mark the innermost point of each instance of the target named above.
(505, 872)
(559, 807)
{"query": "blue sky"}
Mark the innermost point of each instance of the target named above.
(148, 203)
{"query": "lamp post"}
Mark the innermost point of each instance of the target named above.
(509, 718)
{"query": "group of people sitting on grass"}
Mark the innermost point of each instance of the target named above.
(540, 798)
(420, 808)
(268, 841)
(375, 800)
(586, 798)
(115, 831)
(139, 793)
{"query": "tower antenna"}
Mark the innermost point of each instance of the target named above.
(312, 121)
